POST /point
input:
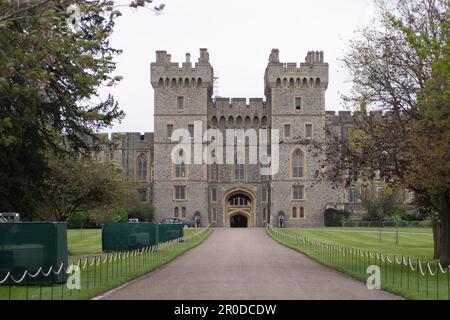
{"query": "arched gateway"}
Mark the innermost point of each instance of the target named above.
(239, 208)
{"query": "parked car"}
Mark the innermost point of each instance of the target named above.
(133, 220)
(9, 217)
(174, 221)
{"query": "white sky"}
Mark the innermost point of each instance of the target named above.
(239, 35)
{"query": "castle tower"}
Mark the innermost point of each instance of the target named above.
(182, 96)
(297, 98)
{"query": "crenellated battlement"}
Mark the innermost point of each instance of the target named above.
(168, 74)
(313, 73)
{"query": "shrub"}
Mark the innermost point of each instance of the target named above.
(334, 217)
(81, 219)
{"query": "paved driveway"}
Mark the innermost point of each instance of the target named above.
(244, 264)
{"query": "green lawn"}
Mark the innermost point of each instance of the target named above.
(353, 252)
(106, 273)
(387, 229)
(90, 241)
(414, 246)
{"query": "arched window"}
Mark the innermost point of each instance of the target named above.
(199, 82)
(311, 82)
(186, 82)
(167, 82)
(305, 82)
(230, 121)
(297, 82)
(294, 213)
(291, 82)
(176, 212)
(193, 82)
(214, 121)
(264, 122)
(222, 122)
(256, 122)
(239, 122)
(141, 166)
(180, 82)
(285, 82)
(161, 82)
(174, 83)
(302, 212)
(183, 212)
(278, 83)
(239, 200)
(248, 121)
(318, 82)
(297, 164)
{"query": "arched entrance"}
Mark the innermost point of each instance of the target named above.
(239, 208)
(238, 221)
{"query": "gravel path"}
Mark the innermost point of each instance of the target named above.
(244, 264)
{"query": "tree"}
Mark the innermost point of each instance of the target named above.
(137, 209)
(381, 202)
(81, 184)
(50, 72)
(399, 67)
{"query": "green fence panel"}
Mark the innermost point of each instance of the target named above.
(123, 236)
(30, 246)
(167, 232)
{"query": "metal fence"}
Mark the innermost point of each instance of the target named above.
(89, 276)
(382, 224)
(416, 279)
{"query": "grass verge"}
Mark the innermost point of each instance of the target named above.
(408, 281)
(103, 273)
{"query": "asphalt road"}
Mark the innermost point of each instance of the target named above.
(243, 264)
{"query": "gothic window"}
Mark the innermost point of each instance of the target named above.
(264, 194)
(287, 131)
(298, 104)
(297, 164)
(213, 215)
(278, 83)
(302, 212)
(142, 167)
(256, 122)
(294, 213)
(180, 193)
(214, 171)
(183, 212)
(317, 82)
(298, 193)
(308, 131)
(169, 131)
(180, 167)
(161, 82)
(239, 200)
(176, 212)
(264, 214)
(213, 194)
(239, 169)
(180, 104)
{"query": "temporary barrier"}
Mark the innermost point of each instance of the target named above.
(27, 248)
(122, 236)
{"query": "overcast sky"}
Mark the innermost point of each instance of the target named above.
(239, 35)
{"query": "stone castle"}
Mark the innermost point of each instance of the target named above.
(236, 195)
